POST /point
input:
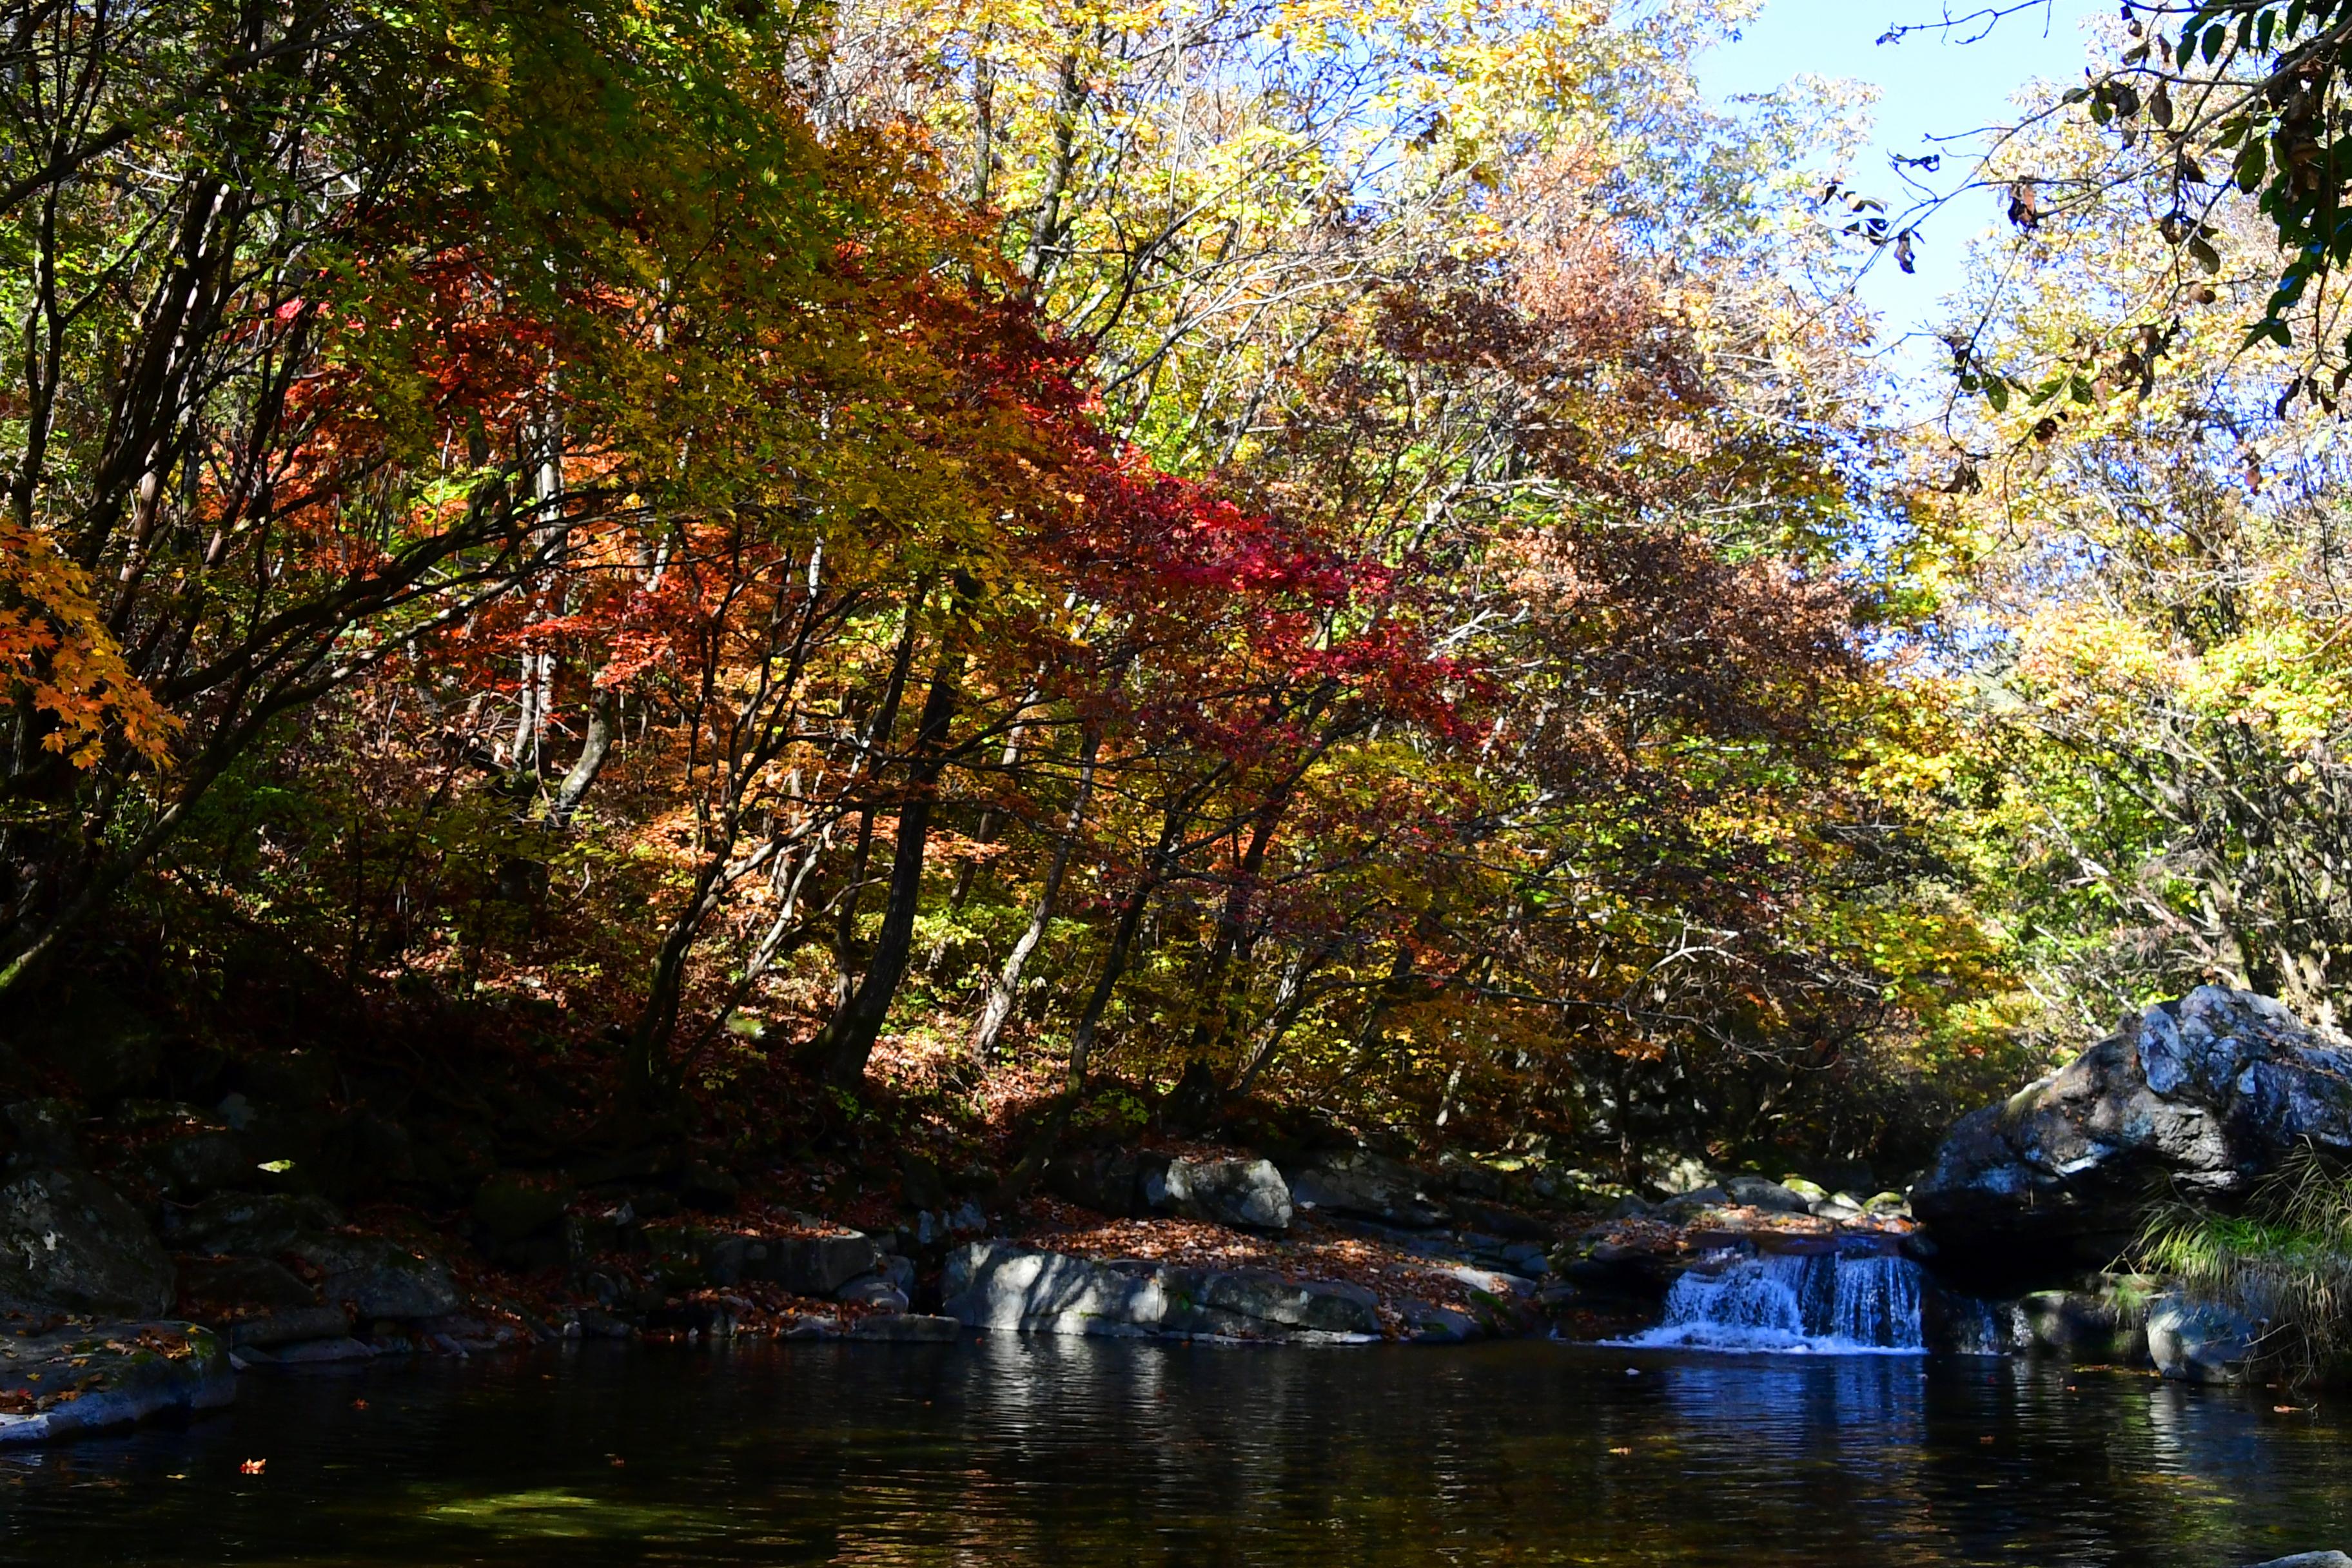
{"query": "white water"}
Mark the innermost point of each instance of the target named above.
(1794, 1306)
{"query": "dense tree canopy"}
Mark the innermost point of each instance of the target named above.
(995, 551)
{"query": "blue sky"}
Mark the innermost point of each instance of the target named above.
(1929, 87)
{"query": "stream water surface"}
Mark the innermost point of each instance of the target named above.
(1073, 1454)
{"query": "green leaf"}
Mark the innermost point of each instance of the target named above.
(1996, 393)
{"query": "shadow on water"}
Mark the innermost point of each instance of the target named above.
(1052, 1452)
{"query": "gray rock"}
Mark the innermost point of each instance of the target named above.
(967, 1218)
(1757, 1192)
(1432, 1324)
(804, 1264)
(2309, 1560)
(379, 1278)
(2081, 1325)
(1368, 1185)
(1006, 1288)
(1247, 1194)
(1252, 1301)
(873, 1290)
(309, 1353)
(1010, 1289)
(2202, 1095)
(69, 1243)
(2202, 1341)
(88, 1379)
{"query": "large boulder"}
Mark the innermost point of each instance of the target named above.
(69, 1243)
(2195, 1098)
(1010, 1288)
(1365, 1185)
(1247, 1194)
(68, 1382)
(2202, 1341)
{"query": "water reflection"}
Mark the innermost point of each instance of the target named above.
(1077, 1453)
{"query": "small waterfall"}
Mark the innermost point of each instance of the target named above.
(1821, 1305)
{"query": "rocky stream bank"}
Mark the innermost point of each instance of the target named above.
(154, 1252)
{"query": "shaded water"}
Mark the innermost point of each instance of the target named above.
(1080, 1453)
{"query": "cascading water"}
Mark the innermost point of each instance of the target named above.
(1820, 1305)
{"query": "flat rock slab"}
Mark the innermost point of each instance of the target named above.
(71, 1381)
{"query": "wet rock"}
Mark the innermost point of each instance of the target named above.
(2202, 1341)
(2309, 1560)
(1431, 1324)
(68, 1382)
(1360, 1182)
(69, 1243)
(1246, 1194)
(2202, 1096)
(2081, 1325)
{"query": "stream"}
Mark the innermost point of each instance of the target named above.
(1076, 1452)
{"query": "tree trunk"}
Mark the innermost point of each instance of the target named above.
(1122, 943)
(999, 1005)
(848, 1040)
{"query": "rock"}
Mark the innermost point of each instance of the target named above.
(69, 1243)
(1007, 1287)
(1810, 1193)
(2202, 1095)
(910, 1328)
(1756, 1193)
(1370, 1186)
(510, 1208)
(65, 1384)
(1011, 1288)
(804, 1264)
(201, 1161)
(2309, 1560)
(873, 1290)
(1429, 1324)
(1506, 1224)
(2081, 1325)
(1683, 1205)
(378, 1278)
(2202, 1341)
(1685, 1175)
(1252, 1301)
(967, 1218)
(1104, 1179)
(1247, 1194)
(1888, 1206)
(211, 1288)
(252, 1225)
(1840, 1206)
(287, 1326)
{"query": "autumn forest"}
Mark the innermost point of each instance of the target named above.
(839, 571)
